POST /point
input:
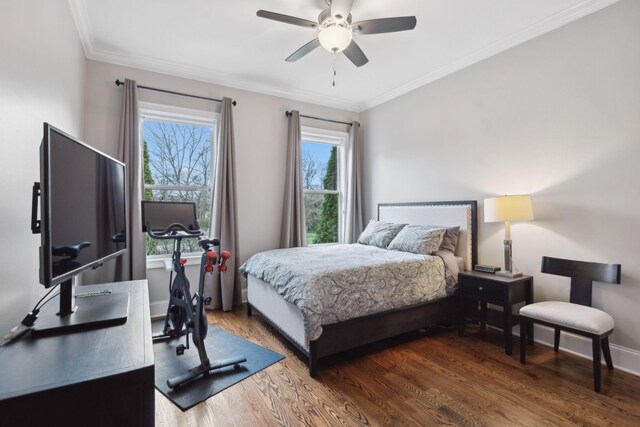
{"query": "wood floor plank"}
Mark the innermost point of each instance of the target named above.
(422, 378)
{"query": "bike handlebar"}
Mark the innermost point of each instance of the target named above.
(173, 228)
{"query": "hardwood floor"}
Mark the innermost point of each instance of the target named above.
(420, 379)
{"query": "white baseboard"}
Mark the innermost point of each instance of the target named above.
(624, 359)
(158, 309)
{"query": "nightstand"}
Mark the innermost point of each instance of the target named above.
(497, 290)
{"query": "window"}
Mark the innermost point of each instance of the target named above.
(178, 163)
(322, 163)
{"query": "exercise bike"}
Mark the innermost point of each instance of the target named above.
(185, 311)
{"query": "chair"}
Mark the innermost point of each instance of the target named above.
(576, 316)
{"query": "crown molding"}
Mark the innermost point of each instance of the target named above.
(207, 76)
(564, 17)
(81, 19)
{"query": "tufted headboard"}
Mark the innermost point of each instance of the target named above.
(447, 214)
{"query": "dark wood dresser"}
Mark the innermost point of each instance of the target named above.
(99, 377)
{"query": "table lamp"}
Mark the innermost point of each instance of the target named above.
(507, 209)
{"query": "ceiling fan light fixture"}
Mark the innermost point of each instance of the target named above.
(335, 38)
(335, 28)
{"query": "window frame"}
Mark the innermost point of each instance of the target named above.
(339, 140)
(170, 113)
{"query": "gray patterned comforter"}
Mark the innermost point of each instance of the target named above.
(334, 283)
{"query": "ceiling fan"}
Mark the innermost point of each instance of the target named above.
(336, 30)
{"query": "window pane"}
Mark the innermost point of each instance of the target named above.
(177, 153)
(321, 215)
(202, 199)
(319, 166)
(312, 208)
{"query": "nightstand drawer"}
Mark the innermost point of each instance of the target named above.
(482, 289)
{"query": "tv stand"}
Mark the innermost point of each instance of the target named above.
(97, 377)
(102, 309)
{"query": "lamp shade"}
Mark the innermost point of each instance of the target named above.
(335, 38)
(508, 208)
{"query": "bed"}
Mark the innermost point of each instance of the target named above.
(329, 333)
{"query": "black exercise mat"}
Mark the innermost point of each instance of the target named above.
(220, 345)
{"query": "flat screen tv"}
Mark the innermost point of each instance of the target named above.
(83, 224)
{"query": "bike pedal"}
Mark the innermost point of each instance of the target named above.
(207, 301)
(180, 350)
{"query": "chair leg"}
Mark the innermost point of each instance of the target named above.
(523, 340)
(556, 340)
(596, 363)
(607, 352)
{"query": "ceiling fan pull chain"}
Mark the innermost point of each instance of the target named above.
(334, 70)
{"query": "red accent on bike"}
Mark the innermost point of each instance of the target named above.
(211, 256)
(183, 261)
(225, 256)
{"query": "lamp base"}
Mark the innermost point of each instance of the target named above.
(508, 274)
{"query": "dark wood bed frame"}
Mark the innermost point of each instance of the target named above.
(353, 333)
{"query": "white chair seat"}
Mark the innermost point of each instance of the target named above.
(576, 316)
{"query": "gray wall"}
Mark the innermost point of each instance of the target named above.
(41, 79)
(260, 132)
(558, 118)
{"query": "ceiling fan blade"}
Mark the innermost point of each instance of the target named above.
(340, 9)
(385, 25)
(303, 50)
(355, 54)
(286, 19)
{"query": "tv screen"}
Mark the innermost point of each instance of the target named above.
(83, 207)
(83, 224)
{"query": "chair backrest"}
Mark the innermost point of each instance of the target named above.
(582, 275)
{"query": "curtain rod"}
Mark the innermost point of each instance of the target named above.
(288, 114)
(120, 83)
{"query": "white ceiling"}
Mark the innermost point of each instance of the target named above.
(224, 42)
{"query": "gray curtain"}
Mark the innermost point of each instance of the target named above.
(353, 215)
(132, 265)
(224, 215)
(292, 232)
